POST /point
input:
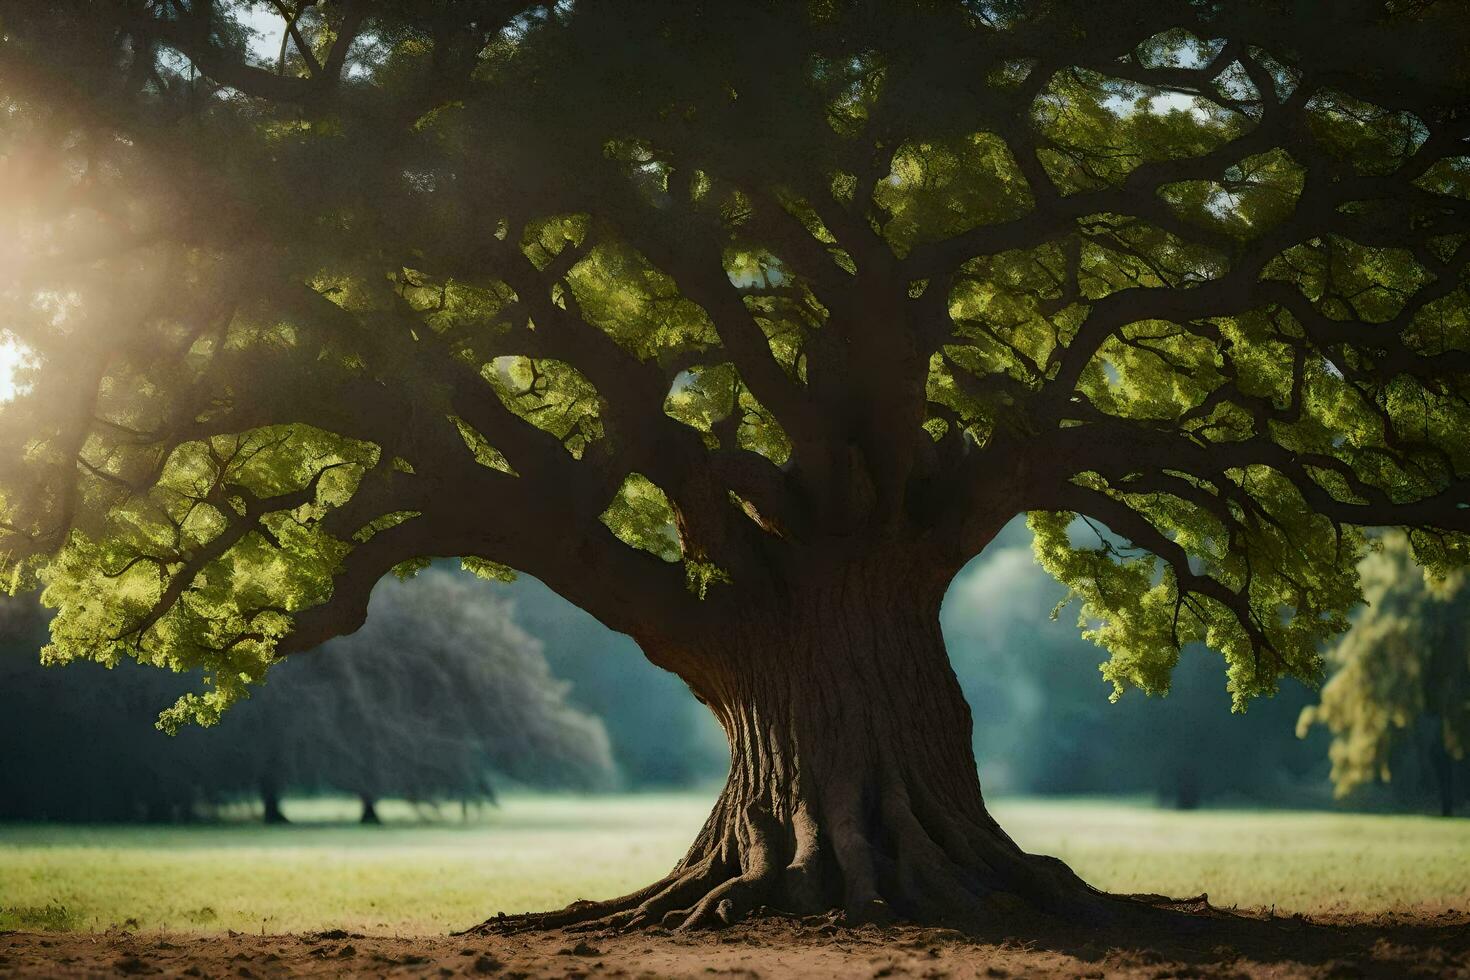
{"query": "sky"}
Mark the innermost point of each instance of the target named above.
(268, 26)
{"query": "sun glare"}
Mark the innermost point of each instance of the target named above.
(14, 356)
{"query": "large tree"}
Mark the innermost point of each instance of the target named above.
(742, 326)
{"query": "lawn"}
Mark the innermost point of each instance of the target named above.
(412, 877)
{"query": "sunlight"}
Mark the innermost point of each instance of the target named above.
(14, 356)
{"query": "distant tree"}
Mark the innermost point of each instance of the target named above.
(743, 327)
(660, 737)
(440, 694)
(443, 688)
(1400, 679)
(1044, 722)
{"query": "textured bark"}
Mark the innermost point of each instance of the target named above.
(852, 783)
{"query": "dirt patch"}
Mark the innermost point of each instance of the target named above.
(1428, 943)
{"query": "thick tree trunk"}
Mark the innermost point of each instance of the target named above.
(852, 781)
(369, 809)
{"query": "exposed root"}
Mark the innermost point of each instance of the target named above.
(577, 913)
(852, 795)
(687, 902)
(943, 870)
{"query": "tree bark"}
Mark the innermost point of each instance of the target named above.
(369, 809)
(852, 781)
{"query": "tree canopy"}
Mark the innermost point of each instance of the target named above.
(1404, 667)
(670, 303)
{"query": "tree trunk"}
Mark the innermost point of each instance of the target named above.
(1186, 788)
(1444, 766)
(852, 781)
(270, 798)
(369, 809)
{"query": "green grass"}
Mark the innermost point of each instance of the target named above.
(1296, 861)
(542, 852)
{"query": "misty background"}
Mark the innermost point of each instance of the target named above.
(460, 688)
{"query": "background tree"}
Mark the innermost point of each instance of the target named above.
(660, 737)
(742, 327)
(1400, 680)
(444, 689)
(441, 695)
(1043, 723)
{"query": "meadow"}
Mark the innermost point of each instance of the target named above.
(414, 876)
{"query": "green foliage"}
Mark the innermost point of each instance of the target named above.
(1046, 728)
(641, 308)
(743, 288)
(702, 574)
(1132, 603)
(122, 591)
(551, 395)
(640, 516)
(937, 190)
(707, 395)
(484, 453)
(488, 570)
(1406, 659)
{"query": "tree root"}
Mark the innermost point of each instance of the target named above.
(934, 868)
(699, 899)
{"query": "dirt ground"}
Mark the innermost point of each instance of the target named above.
(1427, 943)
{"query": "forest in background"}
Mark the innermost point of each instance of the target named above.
(539, 694)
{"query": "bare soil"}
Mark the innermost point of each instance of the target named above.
(1208, 943)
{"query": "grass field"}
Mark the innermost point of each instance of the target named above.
(412, 877)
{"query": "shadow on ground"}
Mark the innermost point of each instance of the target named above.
(1195, 942)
